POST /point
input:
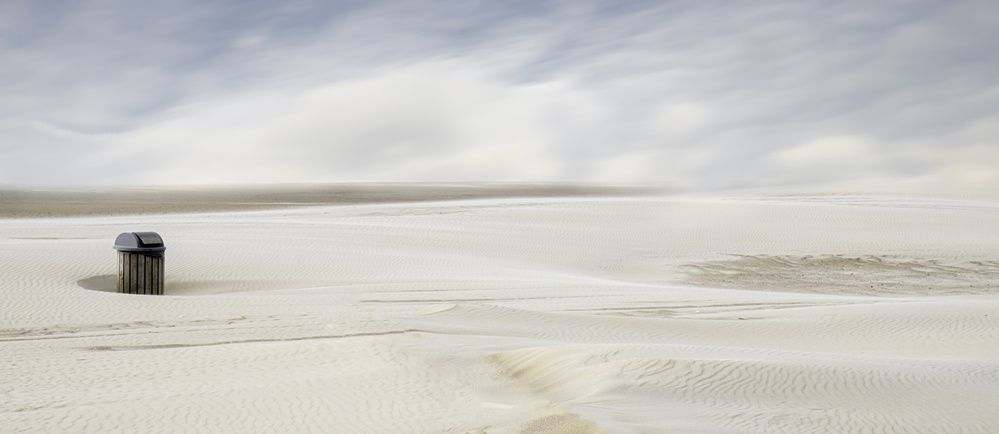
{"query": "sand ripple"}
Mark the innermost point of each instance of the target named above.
(594, 367)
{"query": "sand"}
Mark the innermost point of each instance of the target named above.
(753, 311)
(62, 202)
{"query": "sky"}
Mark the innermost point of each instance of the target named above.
(697, 94)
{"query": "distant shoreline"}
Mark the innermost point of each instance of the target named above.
(100, 201)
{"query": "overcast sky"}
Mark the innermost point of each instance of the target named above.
(698, 94)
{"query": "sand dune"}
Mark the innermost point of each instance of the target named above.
(757, 376)
(740, 312)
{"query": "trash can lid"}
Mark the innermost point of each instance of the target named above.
(139, 242)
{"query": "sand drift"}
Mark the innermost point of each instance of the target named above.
(583, 312)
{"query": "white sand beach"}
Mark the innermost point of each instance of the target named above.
(741, 312)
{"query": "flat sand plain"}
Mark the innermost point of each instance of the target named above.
(588, 311)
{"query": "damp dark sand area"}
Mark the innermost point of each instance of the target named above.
(92, 201)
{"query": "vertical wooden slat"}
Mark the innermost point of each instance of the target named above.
(139, 275)
(131, 274)
(133, 267)
(140, 279)
(135, 274)
(162, 276)
(127, 275)
(159, 277)
(120, 269)
(149, 276)
(142, 275)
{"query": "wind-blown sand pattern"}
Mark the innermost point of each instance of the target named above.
(673, 313)
(857, 275)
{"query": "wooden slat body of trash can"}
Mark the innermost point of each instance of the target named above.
(140, 263)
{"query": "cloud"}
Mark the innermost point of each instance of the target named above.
(437, 120)
(970, 163)
(704, 94)
(970, 168)
(830, 158)
(849, 150)
(679, 119)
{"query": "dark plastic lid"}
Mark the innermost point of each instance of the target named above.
(139, 242)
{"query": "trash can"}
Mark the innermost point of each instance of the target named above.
(140, 263)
